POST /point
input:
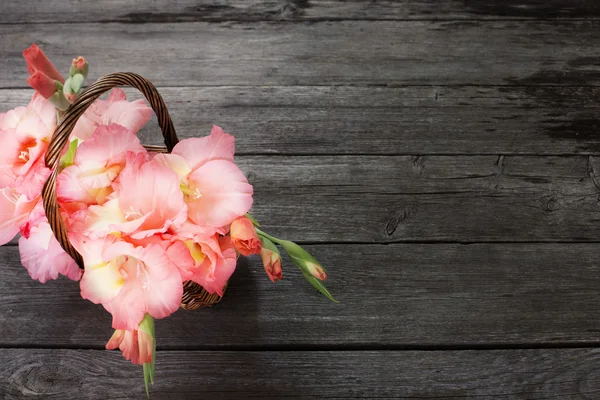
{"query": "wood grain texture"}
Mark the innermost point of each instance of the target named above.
(384, 53)
(140, 11)
(426, 198)
(392, 296)
(366, 199)
(509, 374)
(409, 120)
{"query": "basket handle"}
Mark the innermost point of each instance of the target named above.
(60, 138)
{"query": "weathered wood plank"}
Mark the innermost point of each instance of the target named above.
(506, 374)
(392, 295)
(377, 120)
(384, 53)
(139, 11)
(371, 199)
(368, 199)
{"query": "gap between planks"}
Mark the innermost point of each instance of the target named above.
(338, 348)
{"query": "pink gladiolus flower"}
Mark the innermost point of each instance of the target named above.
(129, 281)
(116, 109)
(210, 261)
(148, 201)
(136, 346)
(216, 191)
(97, 163)
(244, 237)
(43, 257)
(37, 61)
(24, 136)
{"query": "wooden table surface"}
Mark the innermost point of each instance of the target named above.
(440, 157)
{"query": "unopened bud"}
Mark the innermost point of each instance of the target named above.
(79, 66)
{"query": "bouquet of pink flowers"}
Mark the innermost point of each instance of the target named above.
(143, 226)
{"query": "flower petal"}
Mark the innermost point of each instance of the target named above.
(225, 194)
(43, 257)
(197, 151)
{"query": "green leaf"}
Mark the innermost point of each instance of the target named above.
(300, 258)
(318, 284)
(69, 157)
(267, 244)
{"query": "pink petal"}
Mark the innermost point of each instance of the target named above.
(9, 151)
(152, 285)
(14, 209)
(108, 146)
(70, 189)
(176, 163)
(197, 151)
(33, 181)
(43, 257)
(215, 280)
(151, 190)
(132, 115)
(102, 280)
(45, 110)
(225, 194)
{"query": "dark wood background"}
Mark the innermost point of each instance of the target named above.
(440, 157)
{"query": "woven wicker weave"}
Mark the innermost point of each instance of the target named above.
(194, 295)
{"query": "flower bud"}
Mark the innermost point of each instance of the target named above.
(79, 66)
(37, 61)
(244, 237)
(68, 91)
(316, 270)
(136, 346)
(42, 83)
(76, 82)
(306, 262)
(271, 259)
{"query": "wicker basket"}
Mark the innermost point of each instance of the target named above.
(194, 295)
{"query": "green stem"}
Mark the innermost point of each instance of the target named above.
(254, 222)
(266, 235)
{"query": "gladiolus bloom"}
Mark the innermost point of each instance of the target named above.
(24, 136)
(216, 191)
(129, 281)
(244, 237)
(97, 163)
(208, 261)
(136, 346)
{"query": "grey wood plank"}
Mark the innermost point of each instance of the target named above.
(369, 199)
(378, 120)
(392, 296)
(506, 374)
(428, 198)
(139, 11)
(387, 53)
